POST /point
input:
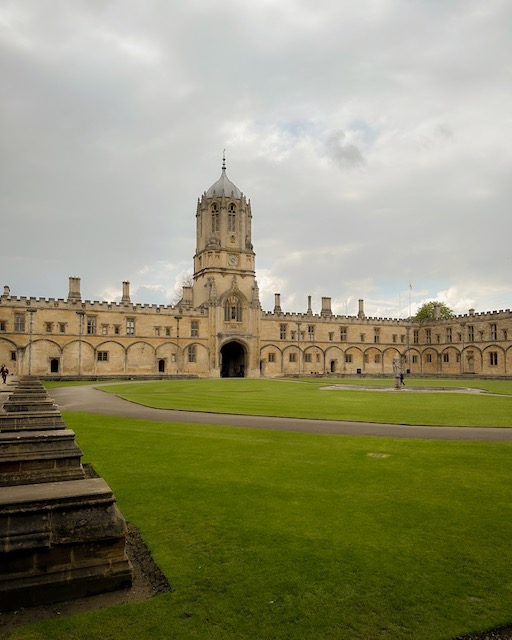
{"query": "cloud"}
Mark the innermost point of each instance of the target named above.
(372, 140)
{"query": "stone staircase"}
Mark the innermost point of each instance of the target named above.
(62, 535)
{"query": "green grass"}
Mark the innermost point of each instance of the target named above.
(286, 536)
(307, 399)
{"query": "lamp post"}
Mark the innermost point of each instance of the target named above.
(177, 318)
(31, 312)
(298, 343)
(80, 315)
(462, 327)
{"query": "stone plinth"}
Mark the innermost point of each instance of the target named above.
(61, 535)
(37, 420)
(39, 456)
(60, 540)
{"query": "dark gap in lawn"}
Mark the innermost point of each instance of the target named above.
(148, 582)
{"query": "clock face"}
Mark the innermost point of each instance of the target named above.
(233, 260)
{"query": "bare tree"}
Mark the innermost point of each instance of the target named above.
(186, 281)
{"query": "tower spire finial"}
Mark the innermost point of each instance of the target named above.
(224, 159)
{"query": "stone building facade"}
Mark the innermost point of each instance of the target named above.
(219, 329)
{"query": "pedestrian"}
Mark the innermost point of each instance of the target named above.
(402, 379)
(4, 371)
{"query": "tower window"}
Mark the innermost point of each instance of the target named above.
(215, 218)
(232, 218)
(233, 310)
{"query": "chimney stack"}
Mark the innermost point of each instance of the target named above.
(277, 303)
(126, 293)
(74, 294)
(326, 307)
(360, 313)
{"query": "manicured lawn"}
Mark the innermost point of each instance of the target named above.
(308, 399)
(273, 535)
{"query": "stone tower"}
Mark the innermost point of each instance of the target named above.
(225, 278)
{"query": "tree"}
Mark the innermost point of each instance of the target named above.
(186, 280)
(432, 311)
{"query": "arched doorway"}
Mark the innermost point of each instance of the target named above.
(161, 366)
(232, 358)
(54, 365)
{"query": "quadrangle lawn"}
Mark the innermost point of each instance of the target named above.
(272, 535)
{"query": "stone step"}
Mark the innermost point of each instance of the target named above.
(60, 540)
(39, 456)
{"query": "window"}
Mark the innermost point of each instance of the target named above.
(13, 356)
(362, 337)
(91, 325)
(402, 338)
(19, 322)
(343, 334)
(282, 331)
(271, 357)
(293, 357)
(191, 352)
(231, 218)
(62, 327)
(307, 357)
(415, 359)
(104, 329)
(130, 327)
(505, 334)
(446, 357)
(3, 325)
(428, 336)
(471, 333)
(215, 218)
(493, 358)
(293, 335)
(48, 327)
(376, 336)
(348, 357)
(415, 336)
(331, 336)
(428, 357)
(157, 331)
(376, 358)
(194, 328)
(448, 334)
(102, 356)
(311, 332)
(395, 337)
(494, 333)
(167, 331)
(117, 329)
(233, 310)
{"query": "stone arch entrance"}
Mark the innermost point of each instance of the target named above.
(232, 360)
(54, 365)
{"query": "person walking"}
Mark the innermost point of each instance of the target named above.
(4, 372)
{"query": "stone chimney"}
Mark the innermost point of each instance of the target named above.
(126, 293)
(74, 294)
(309, 311)
(471, 312)
(360, 313)
(277, 303)
(437, 311)
(326, 307)
(7, 292)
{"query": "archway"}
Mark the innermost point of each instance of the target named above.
(232, 358)
(54, 365)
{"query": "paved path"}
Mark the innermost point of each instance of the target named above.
(91, 400)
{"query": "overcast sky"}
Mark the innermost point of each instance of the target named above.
(373, 138)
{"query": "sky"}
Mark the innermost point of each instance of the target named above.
(373, 139)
